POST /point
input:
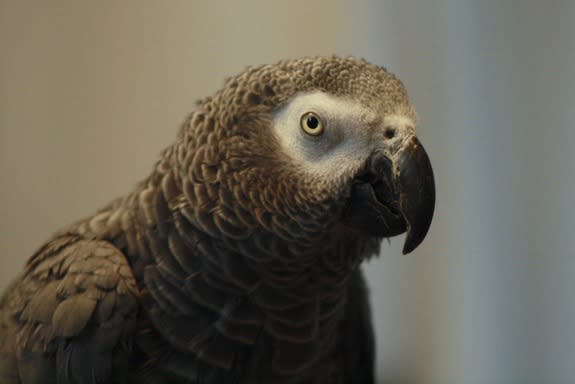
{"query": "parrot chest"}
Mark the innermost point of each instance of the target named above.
(280, 354)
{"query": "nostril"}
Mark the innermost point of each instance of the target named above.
(389, 133)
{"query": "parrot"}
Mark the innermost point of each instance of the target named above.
(237, 260)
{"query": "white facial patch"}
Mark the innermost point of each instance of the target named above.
(344, 144)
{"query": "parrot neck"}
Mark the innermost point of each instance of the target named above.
(221, 298)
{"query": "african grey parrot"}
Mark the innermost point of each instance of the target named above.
(236, 260)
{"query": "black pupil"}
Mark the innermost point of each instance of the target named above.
(312, 122)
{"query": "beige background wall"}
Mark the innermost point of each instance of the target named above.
(90, 92)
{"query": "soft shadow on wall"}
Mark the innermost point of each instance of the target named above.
(488, 298)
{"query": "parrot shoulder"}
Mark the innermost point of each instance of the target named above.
(70, 315)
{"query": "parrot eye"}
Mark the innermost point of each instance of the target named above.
(311, 124)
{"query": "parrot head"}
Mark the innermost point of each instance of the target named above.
(309, 149)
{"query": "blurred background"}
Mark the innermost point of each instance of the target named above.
(90, 93)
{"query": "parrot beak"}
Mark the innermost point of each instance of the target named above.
(394, 194)
(416, 191)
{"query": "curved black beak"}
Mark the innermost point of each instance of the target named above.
(416, 187)
(395, 194)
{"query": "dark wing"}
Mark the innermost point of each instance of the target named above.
(70, 316)
(357, 334)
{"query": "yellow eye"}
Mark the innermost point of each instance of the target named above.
(311, 124)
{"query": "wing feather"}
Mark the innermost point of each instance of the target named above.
(71, 313)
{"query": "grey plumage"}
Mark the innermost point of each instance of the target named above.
(237, 259)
